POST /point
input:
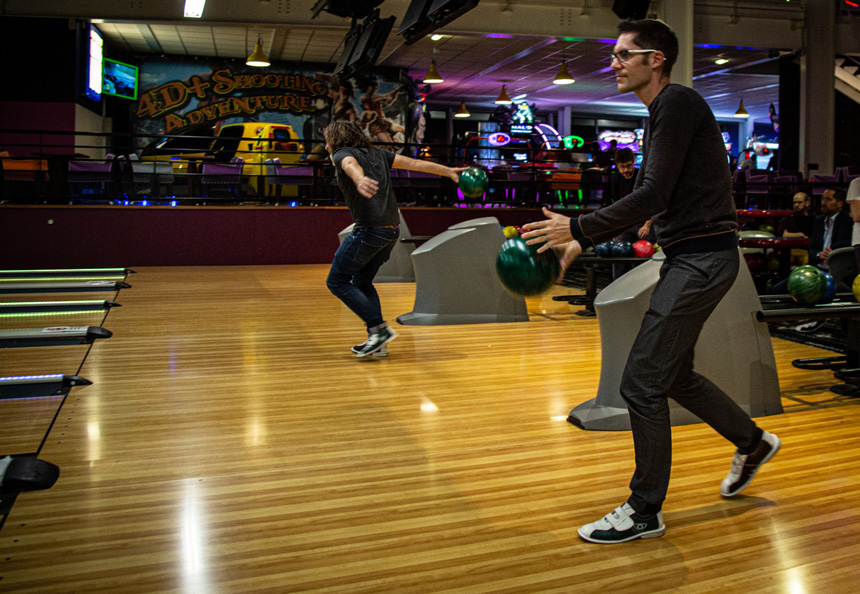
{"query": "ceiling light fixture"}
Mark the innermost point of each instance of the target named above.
(258, 58)
(721, 61)
(436, 36)
(462, 112)
(194, 9)
(742, 111)
(433, 74)
(563, 77)
(503, 98)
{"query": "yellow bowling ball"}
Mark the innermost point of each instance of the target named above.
(855, 288)
(510, 232)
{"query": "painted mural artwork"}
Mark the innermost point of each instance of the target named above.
(196, 98)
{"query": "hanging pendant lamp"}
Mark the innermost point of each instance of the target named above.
(433, 74)
(462, 112)
(503, 98)
(258, 58)
(563, 77)
(742, 111)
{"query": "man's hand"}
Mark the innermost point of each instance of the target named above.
(555, 230)
(645, 229)
(367, 187)
(566, 255)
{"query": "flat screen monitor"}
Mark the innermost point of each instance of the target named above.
(95, 45)
(415, 18)
(349, 44)
(374, 33)
(120, 79)
(442, 12)
(416, 23)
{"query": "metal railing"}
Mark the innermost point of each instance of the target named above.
(54, 167)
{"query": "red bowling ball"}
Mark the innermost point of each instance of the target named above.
(643, 249)
(756, 261)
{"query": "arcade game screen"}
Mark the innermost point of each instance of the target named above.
(120, 79)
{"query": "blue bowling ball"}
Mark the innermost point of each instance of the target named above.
(622, 249)
(604, 250)
(830, 291)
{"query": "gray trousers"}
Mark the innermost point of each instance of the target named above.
(660, 366)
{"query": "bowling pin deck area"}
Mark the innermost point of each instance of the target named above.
(231, 442)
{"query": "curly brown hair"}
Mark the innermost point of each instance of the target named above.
(342, 134)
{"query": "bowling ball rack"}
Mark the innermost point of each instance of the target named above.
(591, 264)
(782, 308)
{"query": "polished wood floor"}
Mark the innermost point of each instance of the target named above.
(231, 443)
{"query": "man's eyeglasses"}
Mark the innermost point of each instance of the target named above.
(624, 55)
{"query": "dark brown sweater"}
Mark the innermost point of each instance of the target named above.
(683, 183)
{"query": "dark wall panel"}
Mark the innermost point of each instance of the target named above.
(86, 237)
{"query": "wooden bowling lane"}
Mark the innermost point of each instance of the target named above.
(25, 422)
(231, 443)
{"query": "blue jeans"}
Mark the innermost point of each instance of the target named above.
(355, 264)
(660, 366)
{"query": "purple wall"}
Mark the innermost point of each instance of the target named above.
(116, 236)
(36, 115)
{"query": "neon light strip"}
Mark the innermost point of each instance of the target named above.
(35, 397)
(543, 136)
(33, 279)
(22, 303)
(45, 270)
(31, 378)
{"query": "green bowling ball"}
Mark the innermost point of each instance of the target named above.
(523, 271)
(767, 228)
(773, 262)
(807, 285)
(473, 182)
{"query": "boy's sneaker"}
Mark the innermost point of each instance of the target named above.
(377, 341)
(383, 352)
(745, 466)
(623, 525)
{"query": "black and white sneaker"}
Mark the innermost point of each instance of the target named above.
(811, 327)
(381, 353)
(745, 466)
(623, 525)
(375, 342)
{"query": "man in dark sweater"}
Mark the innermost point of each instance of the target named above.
(684, 187)
(364, 176)
(798, 223)
(623, 179)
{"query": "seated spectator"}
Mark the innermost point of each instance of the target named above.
(831, 230)
(621, 184)
(623, 178)
(797, 224)
(853, 200)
